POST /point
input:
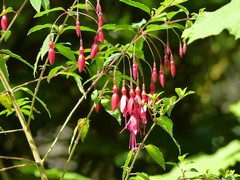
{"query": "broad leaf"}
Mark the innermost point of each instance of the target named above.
(8, 52)
(167, 125)
(65, 51)
(137, 5)
(46, 4)
(36, 4)
(213, 23)
(156, 154)
(39, 27)
(127, 161)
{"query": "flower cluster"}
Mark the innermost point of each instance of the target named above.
(99, 37)
(134, 105)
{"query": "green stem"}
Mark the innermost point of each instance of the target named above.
(42, 72)
(140, 147)
(25, 127)
(13, 20)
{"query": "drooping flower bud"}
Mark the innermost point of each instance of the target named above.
(4, 22)
(161, 78)
(154, 73)
(100, 34)
(51, 53)
(78, 31)
(180, 50)
(115, 98)
(184, 48)
(173, 68)
(166, 62)
(135, 70)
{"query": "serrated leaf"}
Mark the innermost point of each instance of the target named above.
(36, 4)
(39, 27)
(8, 52)
(127, 161)
(39, 14)
(83, 127)
(167, 125)
(5, 101)
(213, 23)
(46, 4)
(107, 106)
(156, 155)
(65, 51)
(137, 5)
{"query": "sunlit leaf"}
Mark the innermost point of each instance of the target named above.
(79, 84)
(83, 127)
(5, 101)
(157, 27)
(156, 155)
(36, 4)
(213, 23)
(44, 49)
(127, 161)
(53, 72)
(116, 27)
(137, 5)
(139, 24)
(8, 10)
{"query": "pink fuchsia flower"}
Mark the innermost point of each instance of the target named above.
(133, 126)
(166, 62)
(115, 98)
(161, 78)
(135, 70)
(131, 106)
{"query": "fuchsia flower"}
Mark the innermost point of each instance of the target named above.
(115, 98)
(94, 48)
(135, 70)
(166, 62)
(133, 128)
(161, 78)
(131, 106)
(154, 73)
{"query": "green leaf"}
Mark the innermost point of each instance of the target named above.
(39, 14)
(182, 92)
(8, 10)
(116, 27)
(36, 4)
(156, 27)
(46, 4)
(83, 127)
(5, 101)
(107, 106)
(65, 51)
(82, 6)
(43, 50)
(156, 154)
(137, 5)
(79, 84)
(8, 52)
(38, 99)
(83, 28)
(53, 72)
(39, 27)
(213, 23)
(7, 35)
(127, 161)
(142, 176)
(139, 24)
(171, 14)
(235, 109)
(3, 65)
(167, 126)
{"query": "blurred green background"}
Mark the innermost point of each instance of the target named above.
(202, 121)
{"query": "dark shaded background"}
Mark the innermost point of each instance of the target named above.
(202, 122)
